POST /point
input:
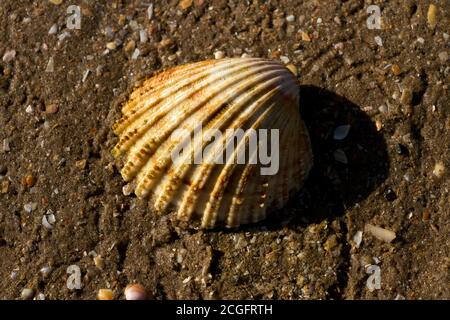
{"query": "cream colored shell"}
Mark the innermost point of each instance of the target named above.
(221, 94)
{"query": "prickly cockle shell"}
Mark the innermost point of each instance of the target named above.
(255, 95)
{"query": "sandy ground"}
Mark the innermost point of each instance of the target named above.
(391, 85)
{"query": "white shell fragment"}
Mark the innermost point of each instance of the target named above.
(250, 104)
(380, 233)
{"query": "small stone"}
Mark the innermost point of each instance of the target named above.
(150, 11)
(340, 156)
(284, 59)
(337, 20)
(127, 189)
(133, 25)
(81, 164)
(98, 261)
(443, 56)
(111, 45)
(28, 181)
(135, 54)
(406, 97)
(330, 243)
(390, 195)
(29, 109)
(431, 16)
(27, 294)
(6, 147)
(172, 57)
(57, 2)
(341, 132)
(51, 108)
(439, 169)
(378, 41)
(130, 46)
(143, 36)
(219, 55)
(9, 56)
(420, 40)
(53, 29)
(45, 271)
(40, 296)
(5, 186)
(380, 233)
(396, 69)
(305, 36)
(185, 4)
(48, 220)
(63, 36)
(50, 65)
(378, 125)
(105, 294)
(319, 20)
(30, 207)
(166, 43)
(290, 18)
(357, 238)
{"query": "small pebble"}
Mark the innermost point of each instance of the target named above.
(396, 69)
(99, 262)
(378, 41)
(45, 271)
(439, 169)
(135, 292)
(284, 59)
(127, 189)
(357, 238)
(130, 46)
(50, 65)
(57, 2)
(290, 18)
(105, 294)
(380, 233)
(135, 54)
(51, 108)
(28, 181)
(431, 16)
(30, 207)
(443, 56)
(340, 156)
(111, 45)
(9, 56)
(6, 147)
(53, 29)
(27, 294)
(219, 55)
(40, 296)
(150, 11)
(305, 36)
(185, 4)
(421, 40)
(341, 132)
(143, 36)
(29, 109)
(406, 97)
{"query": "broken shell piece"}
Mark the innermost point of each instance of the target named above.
(193, 114)
(380, 233)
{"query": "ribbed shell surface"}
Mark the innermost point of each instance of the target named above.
(235, 93)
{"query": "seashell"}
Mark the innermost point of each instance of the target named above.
(207, 100)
